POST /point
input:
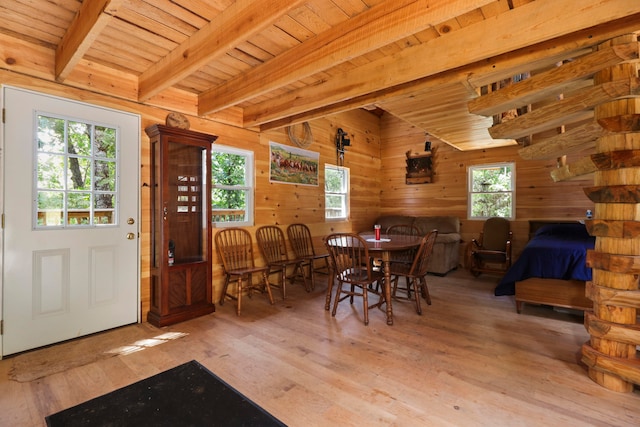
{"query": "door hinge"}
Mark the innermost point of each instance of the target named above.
(2, 222)
(1, 327)
(3, 110)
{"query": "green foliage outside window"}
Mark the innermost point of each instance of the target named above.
(491, 191)
(231, 191)
(228, 170)
(76, 172)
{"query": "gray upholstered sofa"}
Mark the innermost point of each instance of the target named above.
(446, 251)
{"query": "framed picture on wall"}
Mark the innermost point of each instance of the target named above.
(292, 165)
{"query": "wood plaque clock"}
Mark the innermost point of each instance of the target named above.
(177, 120)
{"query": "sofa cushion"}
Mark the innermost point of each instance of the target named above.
(444, 224)
(389, 220)
(448, 238)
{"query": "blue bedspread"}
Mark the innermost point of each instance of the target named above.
(557, 251)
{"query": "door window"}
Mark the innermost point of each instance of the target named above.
(76, 171)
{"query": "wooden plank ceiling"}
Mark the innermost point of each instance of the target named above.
(272, 63)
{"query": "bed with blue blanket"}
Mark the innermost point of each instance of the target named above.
(555, 251)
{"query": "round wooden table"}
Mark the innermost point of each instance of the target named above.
(385, 246)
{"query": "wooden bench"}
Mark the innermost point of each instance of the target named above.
(554, 292)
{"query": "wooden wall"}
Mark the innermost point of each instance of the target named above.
(284, 204)
(537, 195)
(149, 115)
(376, 159)
(279, 204)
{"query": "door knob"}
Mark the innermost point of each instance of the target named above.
(131, 236)
(131, 221)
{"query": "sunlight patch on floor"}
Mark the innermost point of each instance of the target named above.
(146, 343)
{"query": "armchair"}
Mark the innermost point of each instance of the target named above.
(491, 252)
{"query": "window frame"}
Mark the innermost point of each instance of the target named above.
(249, 186)
(470, 192)
(345, 193)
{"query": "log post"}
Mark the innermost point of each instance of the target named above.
(615, 260)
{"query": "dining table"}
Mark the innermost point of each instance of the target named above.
(385, 246)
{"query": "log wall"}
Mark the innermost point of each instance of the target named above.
(611, 353)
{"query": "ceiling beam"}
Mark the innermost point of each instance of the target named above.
(234, 25)
(396, 19)
(480, 73)
(88, 23)
(541, 20)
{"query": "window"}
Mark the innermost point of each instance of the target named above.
(336, 192)
(76, 171)
(232, 186)
(492, 191)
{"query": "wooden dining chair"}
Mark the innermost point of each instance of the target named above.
(415, 273)
(235, 248)
(274, 251)
(407, 256)
(407, 229)
(302, 245)
(352, 263)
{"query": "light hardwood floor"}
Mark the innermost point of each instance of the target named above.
(469, 360)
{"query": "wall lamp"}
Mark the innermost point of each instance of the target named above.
(427, 143)
(342, 140)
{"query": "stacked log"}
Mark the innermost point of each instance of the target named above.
(613, 326)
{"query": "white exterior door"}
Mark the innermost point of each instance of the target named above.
(70, 175)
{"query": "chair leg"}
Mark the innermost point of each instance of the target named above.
(239, 306)
(474, 265)
(250, 287)
(416, 293)
(425, 290)
(365, 301)
(283, 283)
(330, 283)
(224, 289)
(300, 269)
(394, 285)
(337, 298)
(311, 275)
(265, 281)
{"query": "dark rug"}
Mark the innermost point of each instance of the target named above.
(187, 395)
